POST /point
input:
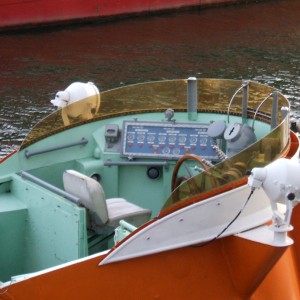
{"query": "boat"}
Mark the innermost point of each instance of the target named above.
(26, 13)
(158, 190)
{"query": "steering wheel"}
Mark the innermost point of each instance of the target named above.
(177, 181)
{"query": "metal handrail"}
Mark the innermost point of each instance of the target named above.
(50, 187)
(244, 84)
(28, 153)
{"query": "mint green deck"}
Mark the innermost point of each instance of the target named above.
(39, 228)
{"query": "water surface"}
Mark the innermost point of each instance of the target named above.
(259, 41)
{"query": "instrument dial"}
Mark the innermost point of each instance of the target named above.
(150, 138)
(162, 138)
(172, 139)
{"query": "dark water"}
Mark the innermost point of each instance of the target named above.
(260, 41)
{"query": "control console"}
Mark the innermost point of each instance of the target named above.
(167, 140)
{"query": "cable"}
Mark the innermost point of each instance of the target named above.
(229, 224)
(238, 214)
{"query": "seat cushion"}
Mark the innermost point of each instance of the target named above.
(120, 209)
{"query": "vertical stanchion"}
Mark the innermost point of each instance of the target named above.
(274, 110)
(192, 101)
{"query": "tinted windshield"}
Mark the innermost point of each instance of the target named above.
(213, 94)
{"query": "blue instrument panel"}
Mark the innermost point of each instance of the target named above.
(166, 140)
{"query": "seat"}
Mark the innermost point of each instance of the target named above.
(104, 214)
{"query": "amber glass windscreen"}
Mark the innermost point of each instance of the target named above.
(213, 95)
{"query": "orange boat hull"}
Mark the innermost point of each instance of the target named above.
(228, 268)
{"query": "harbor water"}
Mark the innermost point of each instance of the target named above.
(258, 41)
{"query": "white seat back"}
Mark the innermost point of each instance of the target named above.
(89, 191)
